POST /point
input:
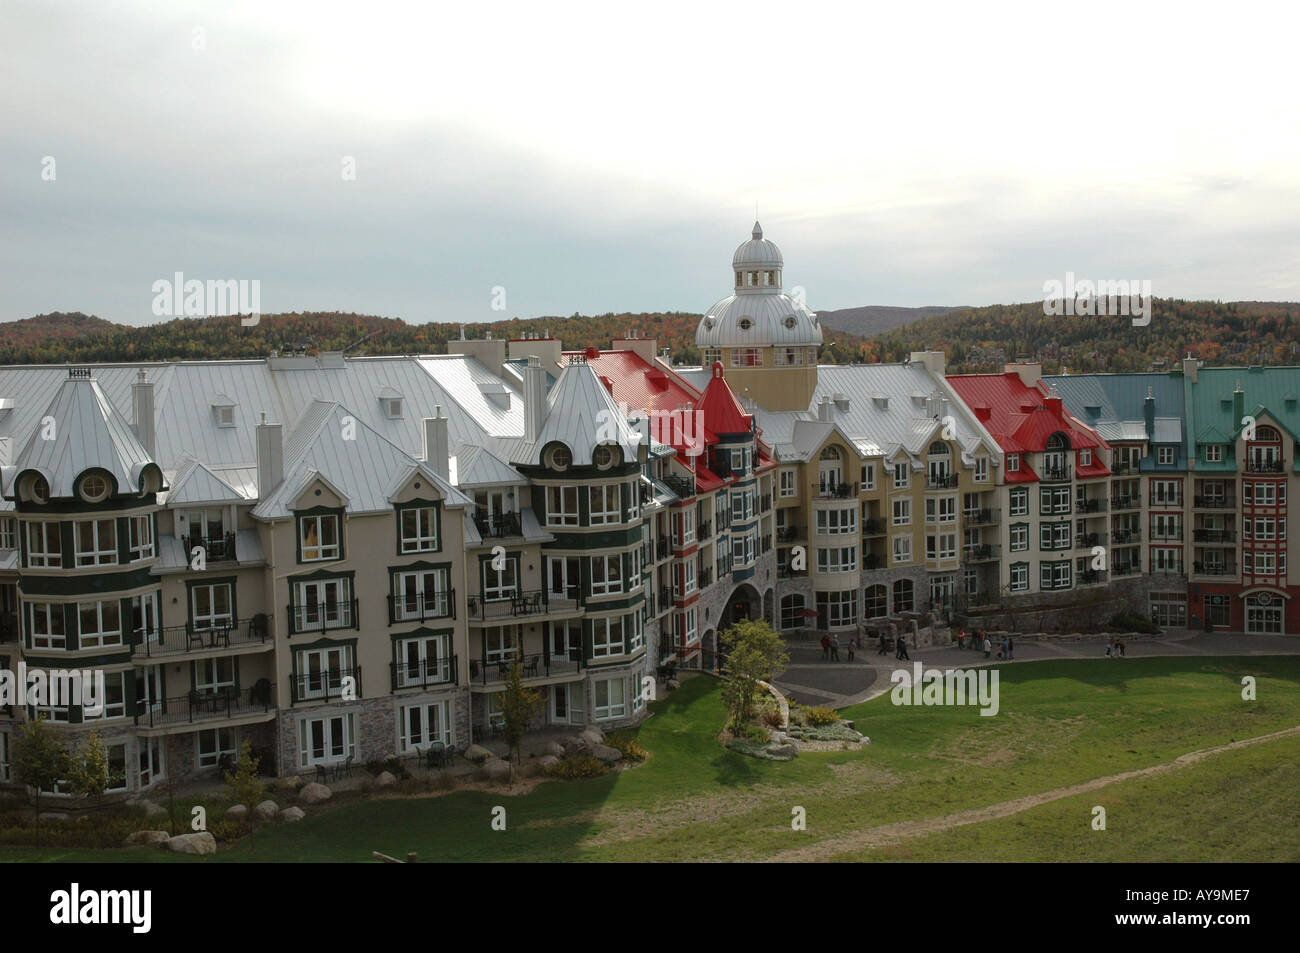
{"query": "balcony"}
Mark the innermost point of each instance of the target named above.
(426, 673)
(1055, 474)
(1125, 537)
(422, 606)
(1166, 536)
(324, 685)
(179, 639)
(705, 578)
(1123, 467)
(665, 600)
(198, 707)
(8, 627)
(765, 503)
(1214, 536)
(874, 527)
(1162, 502)
(1214, 503)
(662, 549)
(836, 491)
(494, 671)
(215, 548)
(498, 525)
(514, 603)
(789, 534)
(981, 552)
(705, 531)
(1098, 505)
(1091, 577)
(684, 487)
(982, 517)
(785, 572)
(1175, 569)
(322, 616)
(941, 481)
(1126, 501)
(1125, 569)
(1213, 569)
(1264, 465)
(1089, 540)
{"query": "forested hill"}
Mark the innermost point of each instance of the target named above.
(223, 338)
(976, 339)
(1220, 333)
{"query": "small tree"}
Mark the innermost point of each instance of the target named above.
(754, 654)
(244, 786)
(88, 768)
(519, 705)
(39, 761)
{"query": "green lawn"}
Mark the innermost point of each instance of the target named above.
(1061, 723)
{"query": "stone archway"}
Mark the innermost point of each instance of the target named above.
(743, 603)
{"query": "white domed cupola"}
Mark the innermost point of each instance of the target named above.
(758, 313)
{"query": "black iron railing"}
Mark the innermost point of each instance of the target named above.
(322, 616)
(1214, 569)
(174, 639)
(498, 525)
(941, 481)
(981, 517)
(205, 706)
(1264, 465)
(1214, 503)
(487, 671)
(1126, 501)
(519, 602)
(324, 685)
(1214, 536)
(425, 672)
(420, 606)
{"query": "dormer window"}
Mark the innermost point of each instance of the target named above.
(40, 490)
(318, 537)
(94, 488)
(790, 321)
(559, 458)
(1013, 463)
(1085, 458)
(1213, 452)
(745, 324)
(391, 401)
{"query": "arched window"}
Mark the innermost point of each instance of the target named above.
(938, 447)
(1057, 441)
(1267, 435)
(831, 453)
(903, 598)
(875, 602)
(792, 611)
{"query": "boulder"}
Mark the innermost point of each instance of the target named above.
(289, 783)
(783, 752)
(572, 744)
(496, 769)
(237, 812)
(547, 761)
(477, 753)
(146, 838)
(292, 814)
(591, 736)
(198, 843)
(554, 748)
(314, 793)
(267, 810)
(780, 737)
(606, 753)
(149, 807)
(386, 779)
(672, 684)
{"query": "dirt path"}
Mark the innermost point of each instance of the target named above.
(887, 834)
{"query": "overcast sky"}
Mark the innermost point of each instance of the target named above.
(608, 157)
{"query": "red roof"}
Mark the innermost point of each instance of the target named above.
(1022, 419)
(722, 411)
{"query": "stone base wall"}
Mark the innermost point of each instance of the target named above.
(1074, 610)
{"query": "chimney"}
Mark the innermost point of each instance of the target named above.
(270, 457)
(489, 352)
(1190, 365)
(1030, 374)
(534, 398)
(1238, 405)
(547, 348)
(644, 348)
(142, 408)
(933, 361)
(825, 412)
(435, 443)
(1149, 414)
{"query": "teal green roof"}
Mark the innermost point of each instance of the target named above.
(1115, 405)
(1266, 392)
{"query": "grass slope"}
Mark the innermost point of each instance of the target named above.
(1061, 723)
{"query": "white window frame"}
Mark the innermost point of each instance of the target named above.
(901, 548)
(603, 581)
(614, 703)
(332, 750)
(600, 512)
(322, 551)
(100, 637)
(425, 537)
(141, 540)
(40, 555)
(434, 724)
(212, 757)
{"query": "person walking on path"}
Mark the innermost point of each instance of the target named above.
(835, 648)
(988, 645)
(1110, 647)
(1002, 649)
(902, 648)
(961, 638)
(884, 642)
(1011, 648)
(851, 644)
(826, 647)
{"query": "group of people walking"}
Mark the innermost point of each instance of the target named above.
(831, 647)
(979, 640)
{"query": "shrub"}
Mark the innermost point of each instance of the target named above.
(822, 715)
(576, 766)
(1131, 622)
(627, 745)
(772, 717)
